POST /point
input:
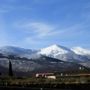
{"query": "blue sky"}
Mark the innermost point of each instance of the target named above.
(39, 23)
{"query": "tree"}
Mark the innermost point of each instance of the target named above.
(10, 69)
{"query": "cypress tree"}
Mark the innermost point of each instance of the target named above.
(10, 69)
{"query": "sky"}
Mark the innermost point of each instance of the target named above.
(39, 23)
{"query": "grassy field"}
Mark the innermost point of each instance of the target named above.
(32, 81)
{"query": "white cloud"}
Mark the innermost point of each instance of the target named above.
(38, 33)
(32, 41)
(39, 29)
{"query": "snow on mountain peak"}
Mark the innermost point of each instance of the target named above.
(57, 51)
(53, 49)
(81, 51)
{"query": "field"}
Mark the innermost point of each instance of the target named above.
(61, 82)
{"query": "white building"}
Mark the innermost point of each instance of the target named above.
(51, 77)
(46, 75)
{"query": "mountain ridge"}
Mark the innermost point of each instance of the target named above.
(28, 61)
(54, 51)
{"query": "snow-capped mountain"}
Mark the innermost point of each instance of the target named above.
(81, 51)
(59, 52)
(54, 51)
(11, 50)
(54, 57)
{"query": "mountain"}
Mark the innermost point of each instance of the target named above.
(81, 51)
(62, 53)
(49, 59)
(54, 51)
(40, 64)
(57, 51)
(11, 50)
(84, 53)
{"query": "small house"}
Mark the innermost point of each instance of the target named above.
(46, 75)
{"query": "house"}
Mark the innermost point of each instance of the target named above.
(51, 77)
(46, 75)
